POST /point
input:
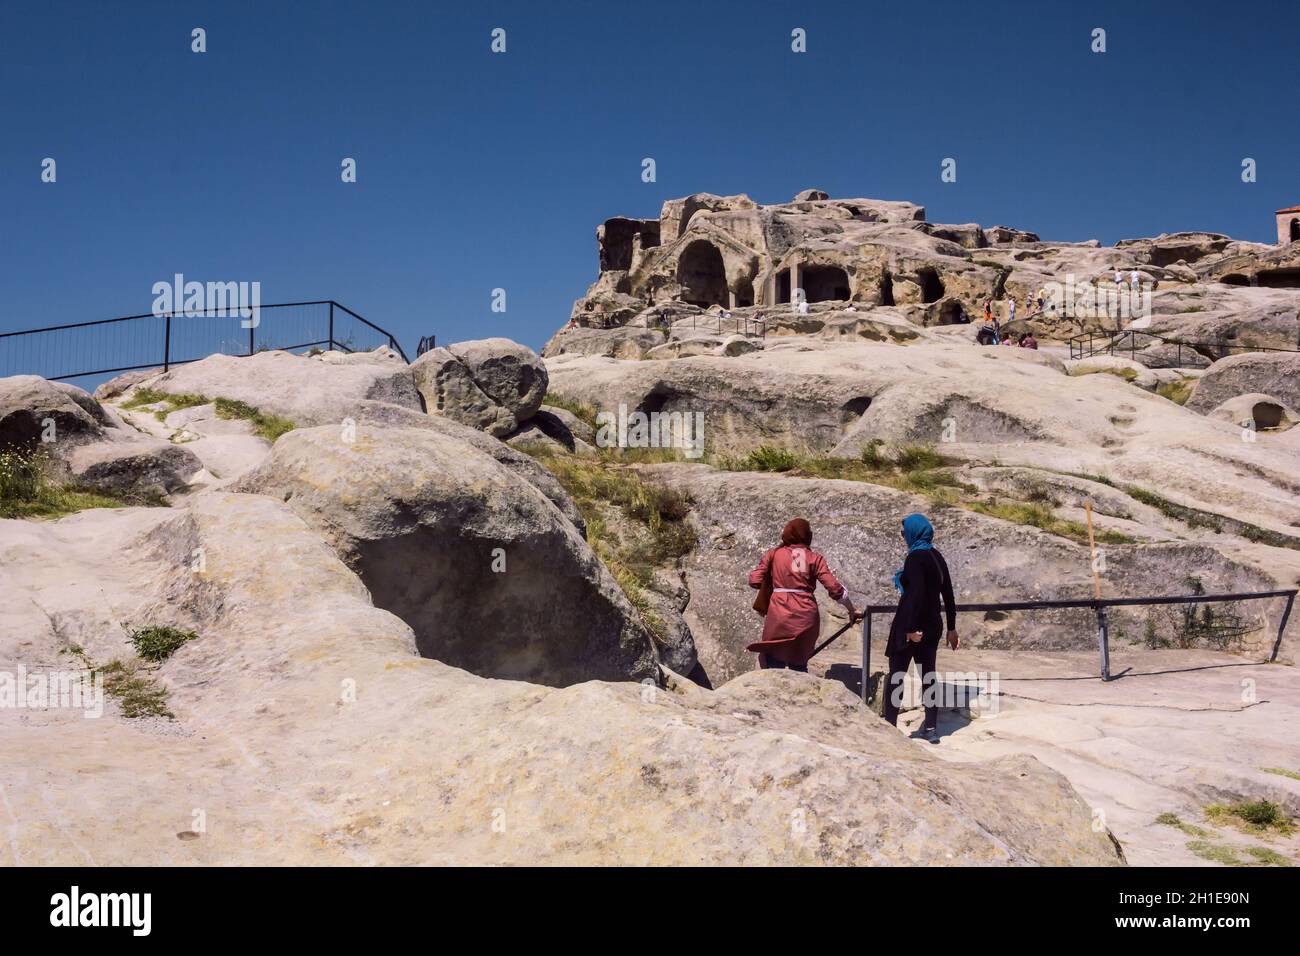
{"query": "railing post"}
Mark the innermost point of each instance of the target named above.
(251, 330)
(331, 335)
(167, 343)
(1281, 626)
(866, 652)
(1103, 642)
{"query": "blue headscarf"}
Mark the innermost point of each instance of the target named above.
(919, 535)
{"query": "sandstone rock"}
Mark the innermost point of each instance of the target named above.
(510, 374)
(87, 446)
(31, 406)
(307, 391)
(523, 466)
(492, 384)
(621, 343)
(1256, 410)
(449, 390)
(305, 722)
(489, 574)
(143, 466)
(1273, 373)
(547, 428)
(119, 384)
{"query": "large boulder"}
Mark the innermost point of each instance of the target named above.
(489, 573)
(307, 391)
(492, 384)
(31, 407)
(1272, 373)
(510, 374)
(86, 444)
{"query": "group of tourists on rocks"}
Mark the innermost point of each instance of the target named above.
(786, 579)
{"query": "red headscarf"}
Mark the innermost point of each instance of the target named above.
(797, 531)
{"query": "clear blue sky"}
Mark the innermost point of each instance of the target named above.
(479, 171)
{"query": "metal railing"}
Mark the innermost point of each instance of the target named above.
(1087, 344)
(664, 321)
(131, 342)
(1099, 606)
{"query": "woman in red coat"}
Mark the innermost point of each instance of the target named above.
(792, 626)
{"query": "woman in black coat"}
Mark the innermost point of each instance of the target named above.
(914, 636)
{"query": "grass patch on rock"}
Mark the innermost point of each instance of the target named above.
(1178, 391)
(135, 689)
(921, 470)
(581, 410)
(634, 525)
(1292, 774)
(1038, 516)
(1173, 820)
(264, 425)
(917, 469)
(1227, 856)
(28, 491)
(1252, 816)
(1127, 374)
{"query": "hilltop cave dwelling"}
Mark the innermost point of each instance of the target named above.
(729, 252)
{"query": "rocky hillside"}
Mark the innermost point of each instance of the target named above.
(353, 610)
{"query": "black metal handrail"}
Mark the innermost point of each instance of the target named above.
(1098, 605)
(81, 349)
(1085, 345)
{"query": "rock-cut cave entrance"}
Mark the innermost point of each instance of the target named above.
(702, 275)
(825, 283)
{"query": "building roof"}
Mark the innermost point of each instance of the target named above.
(1292, 209)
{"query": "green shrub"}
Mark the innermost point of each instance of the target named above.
(161, 642)
(656, 513)
(770, 458)
(918, 458)
(22, 475)
(1253, 816)
(134, 689)
(27, 491)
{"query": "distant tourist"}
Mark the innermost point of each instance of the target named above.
(1011, 310)
(786, 578)
(1119, 278)
(914, 636)
(1027, 341)
(1135, 279)
(802, 307)
(988, 333)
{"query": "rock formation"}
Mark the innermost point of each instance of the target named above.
(439, 621)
